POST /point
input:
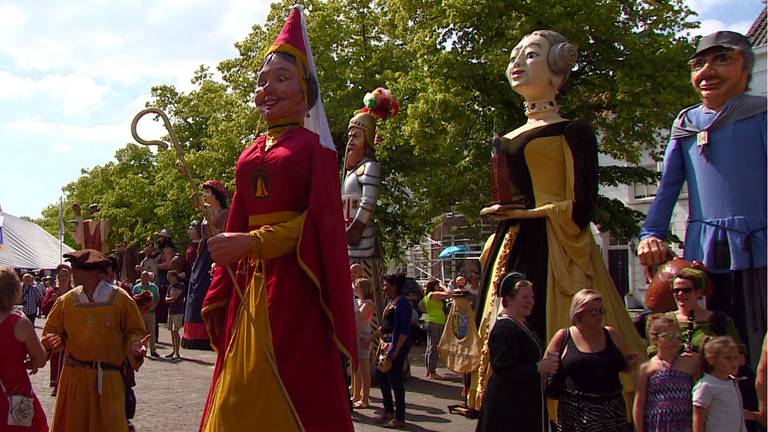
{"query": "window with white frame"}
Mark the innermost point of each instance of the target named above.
(644, 191)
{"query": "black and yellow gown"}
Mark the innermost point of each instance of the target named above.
(553, 171)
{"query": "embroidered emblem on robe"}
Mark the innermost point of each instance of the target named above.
(260, 183)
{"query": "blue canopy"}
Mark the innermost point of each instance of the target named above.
(450, 251)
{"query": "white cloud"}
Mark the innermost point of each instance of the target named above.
(61, 148)
(13, 87)
(11, 19)
(70, 137)
(28, 124)
(73, 74)
(702, 6)
(712, 25)
(77, 92)
(125, 41)
(74, 93)
(240, 16)
(138, 103)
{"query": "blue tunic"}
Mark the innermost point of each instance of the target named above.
(726, 194)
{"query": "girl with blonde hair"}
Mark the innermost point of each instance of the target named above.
(361, 381)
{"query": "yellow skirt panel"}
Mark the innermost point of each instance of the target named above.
(249, 393)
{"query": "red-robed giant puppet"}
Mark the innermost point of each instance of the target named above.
(279, 352)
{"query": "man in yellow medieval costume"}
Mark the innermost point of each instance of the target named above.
(98, 325)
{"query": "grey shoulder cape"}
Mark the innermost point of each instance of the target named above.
(738, 108)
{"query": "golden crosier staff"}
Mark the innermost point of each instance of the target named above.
(182, 163)
(184, 169)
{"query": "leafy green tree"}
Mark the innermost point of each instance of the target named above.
(445, 62)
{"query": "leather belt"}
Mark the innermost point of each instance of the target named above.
(99, 366)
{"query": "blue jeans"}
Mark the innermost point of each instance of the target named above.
(393, 381)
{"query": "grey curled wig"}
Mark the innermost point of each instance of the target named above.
(562, 54)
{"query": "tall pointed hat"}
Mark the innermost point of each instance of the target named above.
(293, 40)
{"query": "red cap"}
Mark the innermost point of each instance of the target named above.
(217, 186)
(291, 37)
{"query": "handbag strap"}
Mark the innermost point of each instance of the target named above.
(7, 396)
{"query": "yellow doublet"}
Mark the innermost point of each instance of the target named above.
(93, 332)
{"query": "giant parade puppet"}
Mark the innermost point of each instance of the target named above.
(215, 201)
(718, 148)
(279, 308)
(360, 189)
(545, 191)
(91, 233)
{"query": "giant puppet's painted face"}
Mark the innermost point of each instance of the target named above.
(528, 71)
(718, 75)
(279, 94)
(355, 147)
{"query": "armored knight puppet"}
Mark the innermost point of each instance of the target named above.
(360, 190)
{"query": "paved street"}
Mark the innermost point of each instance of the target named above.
(171, 395)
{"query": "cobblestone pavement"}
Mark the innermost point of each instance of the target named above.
(171, 395)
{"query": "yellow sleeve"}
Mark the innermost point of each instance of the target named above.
(132, 326)
(272, 241)
(54, 323)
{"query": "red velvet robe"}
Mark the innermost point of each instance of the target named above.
(309, 305)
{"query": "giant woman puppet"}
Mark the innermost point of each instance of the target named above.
(278, 365)
(545, 181)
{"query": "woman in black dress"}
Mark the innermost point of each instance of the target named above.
(514, 398)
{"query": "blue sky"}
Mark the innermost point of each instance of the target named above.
(73, 74)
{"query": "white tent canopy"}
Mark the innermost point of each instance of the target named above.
(29, 246)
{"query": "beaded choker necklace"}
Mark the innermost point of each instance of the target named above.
(539, 106)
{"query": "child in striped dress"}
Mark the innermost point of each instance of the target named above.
(663, 392)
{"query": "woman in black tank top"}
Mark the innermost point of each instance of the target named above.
(592, 358)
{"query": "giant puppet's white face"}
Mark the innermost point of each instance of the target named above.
(528, 71)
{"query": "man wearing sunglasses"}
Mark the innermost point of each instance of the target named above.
(719, 148)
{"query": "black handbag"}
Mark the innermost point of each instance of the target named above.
(556, 382)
